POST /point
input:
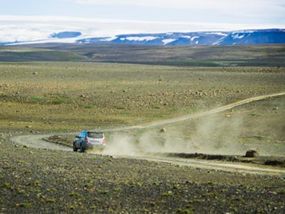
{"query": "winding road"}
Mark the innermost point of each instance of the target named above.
(36, 141)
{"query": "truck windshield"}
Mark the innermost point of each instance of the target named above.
(95, 134)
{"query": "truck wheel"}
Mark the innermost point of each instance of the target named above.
(82, 149)
(74, 148)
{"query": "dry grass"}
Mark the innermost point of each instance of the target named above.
(71, 96)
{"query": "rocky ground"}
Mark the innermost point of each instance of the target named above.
(68, 96)
(33, 181)
(52, 97)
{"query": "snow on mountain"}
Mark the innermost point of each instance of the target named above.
(218, 33)
(238, 36)
(108, 39)
(243, 37)
(186, 37)
(143, 38)
(254, 37)
(194, 37)
(167, 41)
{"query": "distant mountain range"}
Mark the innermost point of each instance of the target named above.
(243, 37)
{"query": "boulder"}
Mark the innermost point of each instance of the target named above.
(251, 153)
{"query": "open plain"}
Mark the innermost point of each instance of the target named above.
(58, 98)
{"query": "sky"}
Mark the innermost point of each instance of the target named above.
(36, 19)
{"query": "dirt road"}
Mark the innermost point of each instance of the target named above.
(197, 115)
(36, 141)
(218, 165)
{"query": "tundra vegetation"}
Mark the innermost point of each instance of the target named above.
(70, 96)
(43, 97)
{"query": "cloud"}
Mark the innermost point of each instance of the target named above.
(191, 4)
(240, 9)
(31, 28)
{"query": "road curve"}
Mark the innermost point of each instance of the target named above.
(36, 141)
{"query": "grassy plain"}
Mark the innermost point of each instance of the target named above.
(70, 96)
(213, 56)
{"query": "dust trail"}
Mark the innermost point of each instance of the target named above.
(125, 144)
(212, 135)
(196, 115)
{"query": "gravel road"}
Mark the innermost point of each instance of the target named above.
(36, 141)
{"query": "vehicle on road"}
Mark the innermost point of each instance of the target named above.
(89, 140)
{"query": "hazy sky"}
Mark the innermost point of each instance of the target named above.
(221, 11)
(119, 16)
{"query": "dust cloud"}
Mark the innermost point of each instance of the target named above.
(215, 134)
(205, 132)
